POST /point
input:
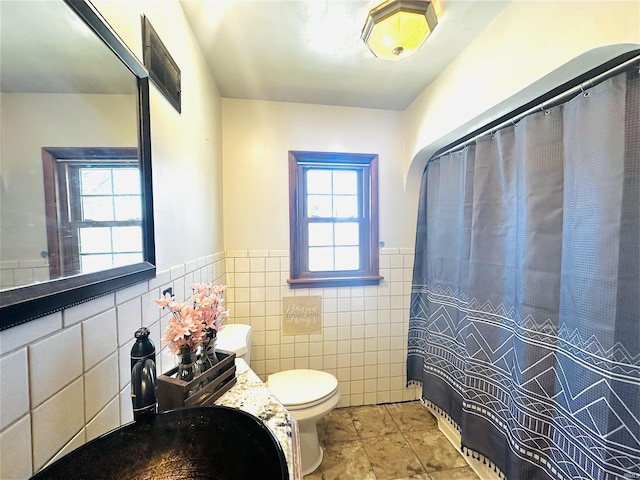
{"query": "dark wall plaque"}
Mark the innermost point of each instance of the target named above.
(163, 71)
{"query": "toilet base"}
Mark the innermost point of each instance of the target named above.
(310, 449)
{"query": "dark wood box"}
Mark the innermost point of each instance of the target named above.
(202, 390)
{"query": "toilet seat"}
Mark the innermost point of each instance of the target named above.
(300, 388)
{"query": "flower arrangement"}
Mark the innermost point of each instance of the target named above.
(197, 323)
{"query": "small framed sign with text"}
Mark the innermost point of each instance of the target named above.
(301, 315)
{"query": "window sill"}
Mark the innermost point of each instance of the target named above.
(334, 282)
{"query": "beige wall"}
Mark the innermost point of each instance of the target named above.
(186, 147)
(256, 138)
(524, 53)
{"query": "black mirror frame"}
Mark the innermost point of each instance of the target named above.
(23, 304)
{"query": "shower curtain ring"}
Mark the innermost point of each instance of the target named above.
(584, 93)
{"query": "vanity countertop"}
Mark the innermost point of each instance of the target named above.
(251, 395)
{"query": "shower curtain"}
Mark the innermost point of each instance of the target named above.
(524, 325)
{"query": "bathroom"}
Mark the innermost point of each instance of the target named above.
(221, 215)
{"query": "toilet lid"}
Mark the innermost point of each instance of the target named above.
(300, 387)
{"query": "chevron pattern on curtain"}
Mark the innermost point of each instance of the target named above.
(525, 306)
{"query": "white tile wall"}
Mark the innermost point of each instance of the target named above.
(99, 336)
(107, 419)
(15, 449)
(57, 421)
(64, 378)
(54, 363)
(100, 386)
(14, 387)
(363, 339)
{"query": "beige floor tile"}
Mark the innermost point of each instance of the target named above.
(391, 457)
(421, 476)
(346, 461)
(412, 416)
(464, 473)
(373, 421)
(387, 442)
(434, 451)
(337, 427)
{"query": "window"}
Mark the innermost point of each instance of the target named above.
(94, 198)
(333, 219)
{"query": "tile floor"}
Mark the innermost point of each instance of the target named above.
(396, 441)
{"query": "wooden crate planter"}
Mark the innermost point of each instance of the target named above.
(202, 390)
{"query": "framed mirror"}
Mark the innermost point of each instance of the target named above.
(76, 207)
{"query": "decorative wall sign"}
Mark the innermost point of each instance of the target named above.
(301, 315)
(163, 71)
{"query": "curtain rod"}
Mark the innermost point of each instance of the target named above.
(552, 98)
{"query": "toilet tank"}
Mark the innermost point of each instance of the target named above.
(235, 337)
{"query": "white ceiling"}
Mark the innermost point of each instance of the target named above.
(310, 51)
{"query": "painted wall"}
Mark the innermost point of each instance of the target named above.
(256, 138)
(363, 337)
(528, 50)
(64, 379)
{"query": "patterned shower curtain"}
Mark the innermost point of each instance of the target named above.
(525, 323)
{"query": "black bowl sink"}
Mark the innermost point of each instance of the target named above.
(199, 442)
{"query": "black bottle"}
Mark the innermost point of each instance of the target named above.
(143, 348)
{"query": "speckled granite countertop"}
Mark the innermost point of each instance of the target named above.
(251, 395)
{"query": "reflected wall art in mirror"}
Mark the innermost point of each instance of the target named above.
(76, 211)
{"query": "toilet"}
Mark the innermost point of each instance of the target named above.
(308, 395)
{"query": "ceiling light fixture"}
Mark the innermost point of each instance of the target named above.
(397, 28)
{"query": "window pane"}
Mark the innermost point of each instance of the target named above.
(128, 208)
(345, 206)
(347, 234)
(95, 181)
(99, 209)
(345, 182)
(319, 206)
(347, 258)
(320, 234)
(319, 181)
(320, 259)
(126, 181)
(121, 259)
(95, 240)
(334, 219)
(127, 239)
(95, 263)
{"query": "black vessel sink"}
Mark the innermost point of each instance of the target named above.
(192, 443)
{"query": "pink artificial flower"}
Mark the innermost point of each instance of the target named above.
(165, 301)
(188, 324)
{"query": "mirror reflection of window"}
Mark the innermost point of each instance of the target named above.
(109, 224)
(96, 223)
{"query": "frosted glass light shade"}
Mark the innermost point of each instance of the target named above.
(397, 28)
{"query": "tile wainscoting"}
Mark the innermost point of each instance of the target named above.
(363, 341)
(64, 378)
